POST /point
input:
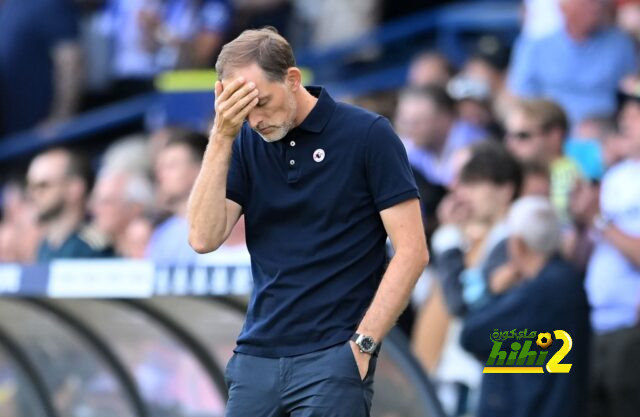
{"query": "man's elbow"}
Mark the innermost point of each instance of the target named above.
(422, 258)
(202, 245)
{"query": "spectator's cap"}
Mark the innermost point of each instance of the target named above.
(493, 51)
(463, 87)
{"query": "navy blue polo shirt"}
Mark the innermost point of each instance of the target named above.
(312, 203)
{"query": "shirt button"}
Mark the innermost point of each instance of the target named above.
(292, 143)
(292, 162)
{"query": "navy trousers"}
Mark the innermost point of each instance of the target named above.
(325, 383)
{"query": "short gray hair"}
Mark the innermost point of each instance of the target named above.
(533, 219)
(263, 46)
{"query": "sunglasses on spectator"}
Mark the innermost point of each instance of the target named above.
(520, 135)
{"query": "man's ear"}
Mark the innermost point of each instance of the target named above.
(517, 248)
(293, 78)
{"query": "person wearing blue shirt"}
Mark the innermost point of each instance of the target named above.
(321, 184)
(613, 276)
(579, 66)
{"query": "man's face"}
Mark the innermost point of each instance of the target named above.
(274, 115)
(176, 171)
(418, 120)
(524, 138)
(111, 212)
(47, 184)
(585, 16)
(483, 198)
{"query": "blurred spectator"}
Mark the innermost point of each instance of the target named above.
(536, 131)
(628, 17)
(177, 168)
(119, 198)
(150, 36)
(429, 68)
(489, 63)
(549, 295)
(40, 62)
(465, 262)
(426, 120)
(132, 154)
(613, 279)
(136, 238)
(59, 183)
(473, 101)
(594, 57)
(535, 179)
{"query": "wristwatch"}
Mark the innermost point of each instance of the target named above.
(365, 343)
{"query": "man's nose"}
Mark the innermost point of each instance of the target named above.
(254, 119)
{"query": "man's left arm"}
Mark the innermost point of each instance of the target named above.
(403, 223)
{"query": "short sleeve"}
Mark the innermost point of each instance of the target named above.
(237, 178)
(389, 174)
(59, 22)
(215, 16)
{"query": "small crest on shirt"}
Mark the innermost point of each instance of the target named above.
(318, 155)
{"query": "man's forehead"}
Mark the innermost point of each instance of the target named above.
(251, 72)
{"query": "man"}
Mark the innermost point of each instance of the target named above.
(548, 297)
(535, 132)
(59, 181)
(613, 278)
(429, 68)
(426, 120)
(118, 199)
(470, 244)
(39, 53)
(177, 167)
(320, 184)
(594, 59)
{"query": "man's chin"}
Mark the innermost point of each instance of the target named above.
(273, 136)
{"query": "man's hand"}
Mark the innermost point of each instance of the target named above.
(362, 359)
(233, 104)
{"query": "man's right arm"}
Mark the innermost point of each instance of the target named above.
(210, 214)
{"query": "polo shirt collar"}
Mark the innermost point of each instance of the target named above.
(319, 116)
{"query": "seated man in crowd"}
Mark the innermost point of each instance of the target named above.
(118, 199)
(471, 242)
(579, 66)
(177, 167)
(549, 297)
(59, 183)
(426, 120)
(535, 132)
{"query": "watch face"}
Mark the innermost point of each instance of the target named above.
(367, 344)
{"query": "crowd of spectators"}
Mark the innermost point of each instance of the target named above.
(526, 163)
